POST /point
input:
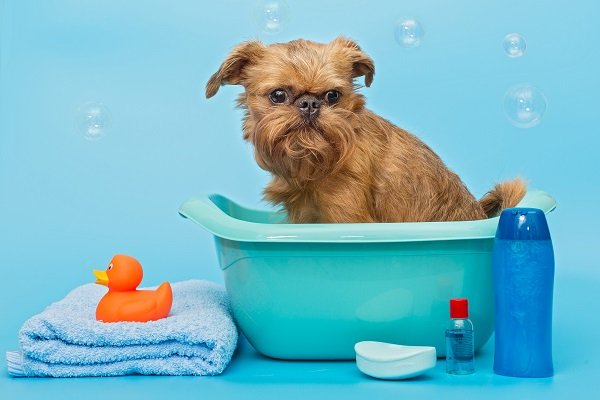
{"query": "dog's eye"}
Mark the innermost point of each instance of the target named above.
(332, 97)
(278, 96)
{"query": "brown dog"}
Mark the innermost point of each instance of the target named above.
(332, 160)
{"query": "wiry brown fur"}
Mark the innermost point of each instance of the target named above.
(347, 164)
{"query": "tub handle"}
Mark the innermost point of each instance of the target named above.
(206, 212)
(202, 210)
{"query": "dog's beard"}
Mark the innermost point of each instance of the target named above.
(297, 149)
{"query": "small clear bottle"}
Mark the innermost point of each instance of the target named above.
(459, 339)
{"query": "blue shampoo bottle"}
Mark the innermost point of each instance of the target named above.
(523, 268)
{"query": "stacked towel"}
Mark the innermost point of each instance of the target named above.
(65, 340)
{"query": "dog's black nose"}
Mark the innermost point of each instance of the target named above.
(309, 105)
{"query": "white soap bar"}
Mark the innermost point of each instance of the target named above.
(393, 361)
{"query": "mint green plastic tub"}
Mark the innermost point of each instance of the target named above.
(311, 291)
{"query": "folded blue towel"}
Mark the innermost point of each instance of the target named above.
(65, 340)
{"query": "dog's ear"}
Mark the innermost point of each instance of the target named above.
(231, 71)
(362, 65)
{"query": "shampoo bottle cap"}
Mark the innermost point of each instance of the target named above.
(523, 224)
(459, 308)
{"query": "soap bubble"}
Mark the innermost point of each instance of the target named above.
(514, 45)
(271, 15)
(409, 32)
(524, 105)
(92, 120)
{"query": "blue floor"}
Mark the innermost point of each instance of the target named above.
(252, 376)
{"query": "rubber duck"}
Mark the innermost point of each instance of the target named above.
(124, 302)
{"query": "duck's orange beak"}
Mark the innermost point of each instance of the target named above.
(101, 277)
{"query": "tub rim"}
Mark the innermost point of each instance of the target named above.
(204, 211)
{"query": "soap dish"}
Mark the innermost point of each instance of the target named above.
(393, 361)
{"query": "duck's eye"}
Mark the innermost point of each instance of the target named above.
(278, 96)
(332, 97)
(109, 267)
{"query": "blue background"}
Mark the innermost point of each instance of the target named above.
(68, 204)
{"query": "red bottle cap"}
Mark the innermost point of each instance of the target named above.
(459, 308)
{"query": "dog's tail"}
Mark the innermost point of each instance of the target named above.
(504, 195)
